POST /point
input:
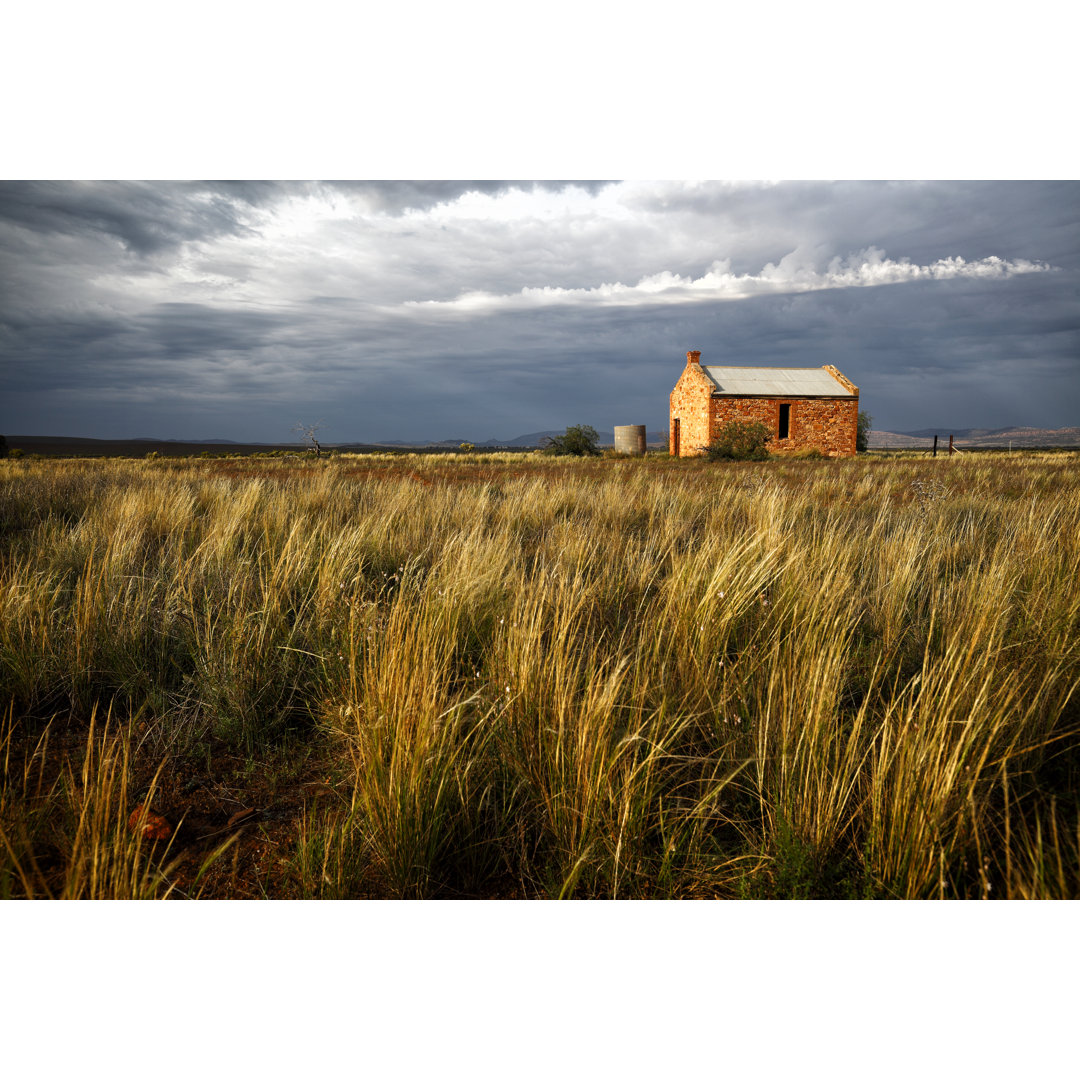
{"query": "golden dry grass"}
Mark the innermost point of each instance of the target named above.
(538, 677)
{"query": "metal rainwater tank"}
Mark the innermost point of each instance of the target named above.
(630, 439)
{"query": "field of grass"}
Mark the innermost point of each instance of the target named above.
(514, 676)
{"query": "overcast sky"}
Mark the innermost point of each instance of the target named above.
(474, 310)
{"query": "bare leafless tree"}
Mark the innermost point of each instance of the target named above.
(309, 432)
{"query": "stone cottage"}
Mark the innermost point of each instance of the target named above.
(804, 408)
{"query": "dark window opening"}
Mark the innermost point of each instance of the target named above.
(785, 421)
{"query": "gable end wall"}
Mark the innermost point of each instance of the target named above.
(690, 406)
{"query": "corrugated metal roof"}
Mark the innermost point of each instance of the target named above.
(776, 381)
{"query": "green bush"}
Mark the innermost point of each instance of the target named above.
(579, 441)
(740, 440)
(862, 433)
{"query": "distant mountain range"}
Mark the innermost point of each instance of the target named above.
(1017, 436)
(990, 437)
(214, 442)
(535, 438)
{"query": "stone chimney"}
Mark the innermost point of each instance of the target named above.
(694, 356)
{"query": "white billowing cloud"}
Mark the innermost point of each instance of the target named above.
(516, 205)
(793, 274)
(515, 249)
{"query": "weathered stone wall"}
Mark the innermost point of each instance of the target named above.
(690, 406)
(825, 424)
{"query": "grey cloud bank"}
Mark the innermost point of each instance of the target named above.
(461, 309)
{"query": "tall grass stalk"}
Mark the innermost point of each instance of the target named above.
(96, 855)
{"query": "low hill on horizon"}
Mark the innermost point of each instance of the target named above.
(535, 438)
(998, 438)
(1017, 438)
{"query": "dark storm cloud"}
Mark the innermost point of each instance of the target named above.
(145, 217)
(901, 344)
(182, 331)
(83, 351)
(234, 308)
(920, 220)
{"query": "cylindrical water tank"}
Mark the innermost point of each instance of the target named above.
(630, 439)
